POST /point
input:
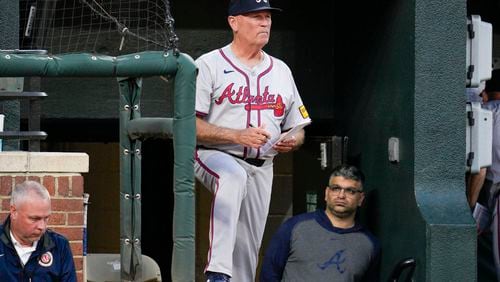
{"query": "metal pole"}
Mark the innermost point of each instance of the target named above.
(85, 208)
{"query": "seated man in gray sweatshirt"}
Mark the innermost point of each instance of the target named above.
(326, 245)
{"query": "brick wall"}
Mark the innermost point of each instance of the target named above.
(60, 173)
(66, 192)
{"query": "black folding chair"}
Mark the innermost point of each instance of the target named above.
(406, 266)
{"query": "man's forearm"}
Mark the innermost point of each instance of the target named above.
(474, 185)
(207, 133)
(300, 138)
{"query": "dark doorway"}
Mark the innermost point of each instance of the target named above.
(158, 202)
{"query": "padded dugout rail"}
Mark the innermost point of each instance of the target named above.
(130, 69)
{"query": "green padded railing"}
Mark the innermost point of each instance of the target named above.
(129, 69)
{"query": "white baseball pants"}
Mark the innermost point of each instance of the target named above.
(240, 205)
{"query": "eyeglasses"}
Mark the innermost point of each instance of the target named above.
(348, 191)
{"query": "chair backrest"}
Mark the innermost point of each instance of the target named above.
(406, 265)
(150, 269)
(106, 268)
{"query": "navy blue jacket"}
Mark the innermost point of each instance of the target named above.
(51, 261)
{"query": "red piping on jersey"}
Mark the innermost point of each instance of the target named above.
(249, 111)
(258, 92)
(216, 180)
(201, 114)
(248, 87)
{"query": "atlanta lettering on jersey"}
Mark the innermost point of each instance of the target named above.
(266, 101)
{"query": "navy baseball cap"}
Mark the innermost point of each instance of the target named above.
(238, 7)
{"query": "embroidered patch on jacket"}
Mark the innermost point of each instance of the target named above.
(46, 259)
(303, 111)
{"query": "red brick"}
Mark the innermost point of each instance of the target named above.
(6, 204)
(76, 248)
(71, 233)
(77, 186)
(3, 216)
(57, 218)
(49, 183)
(63, 186)
(78, 262)
(5, 185)
(34, 178)
(67, 205)
(75, 218)
(79, 276)
(20, 179)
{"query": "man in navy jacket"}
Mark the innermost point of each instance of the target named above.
(326, 245)
(28, 251)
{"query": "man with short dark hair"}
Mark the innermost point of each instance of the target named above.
(28, 250)
(326, 245)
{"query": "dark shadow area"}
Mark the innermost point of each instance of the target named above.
(309, 179)
(158, 202)
(488, 10)
(356, 32)
(79, 130)
(369, 212)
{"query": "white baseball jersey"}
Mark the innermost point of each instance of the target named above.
(230, 94)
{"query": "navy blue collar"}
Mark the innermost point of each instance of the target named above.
(324, 221)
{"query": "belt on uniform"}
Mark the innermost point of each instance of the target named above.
(254, 162)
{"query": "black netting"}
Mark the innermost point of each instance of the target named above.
(111, 27)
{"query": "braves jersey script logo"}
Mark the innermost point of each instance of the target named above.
(266, 101)
(337, 259)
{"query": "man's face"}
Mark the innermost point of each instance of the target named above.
(252, 28)
(29, 219)
(343, 196)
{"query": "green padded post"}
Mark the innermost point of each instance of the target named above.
(183, 257)
(151, 63)
(130, 181)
